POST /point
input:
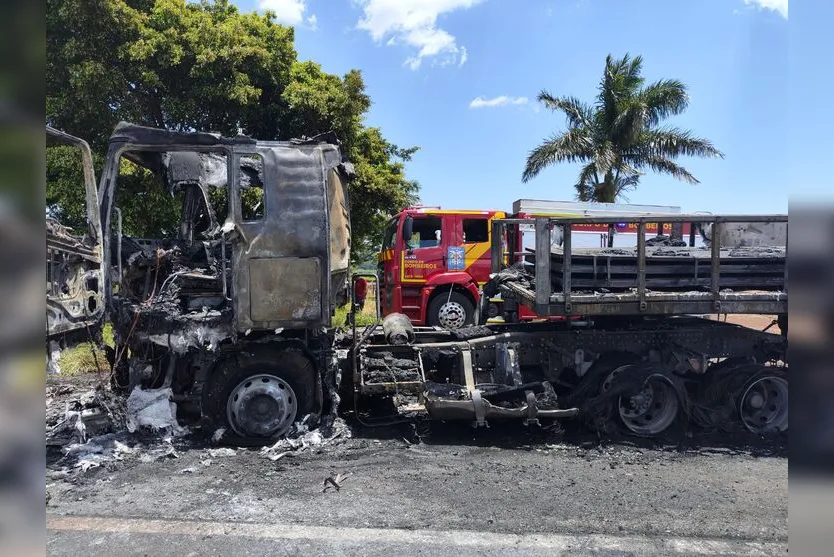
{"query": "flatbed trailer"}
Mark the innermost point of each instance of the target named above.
(738, 280)
(639, 354)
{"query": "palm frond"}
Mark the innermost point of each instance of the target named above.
(675, 142)
(628, 124)
(663, 99)
(578, 113)
(626, 182)
(631, 71)
(584, 192)
(664, 165)
(587, 182)
(621, 82)
(605, 157)
(572, 146)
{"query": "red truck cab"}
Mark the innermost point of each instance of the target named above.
(433, 262)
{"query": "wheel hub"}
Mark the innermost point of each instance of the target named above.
(261, 406)
(452, 315)
(764, 405)
(651, 410)
(642, 400)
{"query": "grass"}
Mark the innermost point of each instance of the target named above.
(87, 357)
(364, 318)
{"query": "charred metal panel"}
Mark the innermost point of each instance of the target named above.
(295, 224)
(337, 195)
(273, 281)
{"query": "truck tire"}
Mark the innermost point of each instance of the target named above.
(263, 396)
(451, 311)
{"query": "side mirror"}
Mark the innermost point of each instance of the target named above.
(362, 284)
(408, 229)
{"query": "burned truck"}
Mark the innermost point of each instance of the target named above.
(232, 309)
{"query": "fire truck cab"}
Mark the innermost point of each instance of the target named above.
(433, 261)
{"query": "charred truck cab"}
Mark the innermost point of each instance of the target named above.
(231, 310)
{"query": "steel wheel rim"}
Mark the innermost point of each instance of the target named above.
(650, 411)
(262, 405)
(452, 315)
(764, 405)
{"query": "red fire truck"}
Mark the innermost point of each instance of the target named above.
(434, 261)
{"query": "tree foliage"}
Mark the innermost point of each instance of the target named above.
(206, 66)
(620, 135)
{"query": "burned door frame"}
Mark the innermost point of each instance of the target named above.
(109, 181)
(281, 263)
(80, 258)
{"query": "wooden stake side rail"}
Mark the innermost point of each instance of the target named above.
(654, 282)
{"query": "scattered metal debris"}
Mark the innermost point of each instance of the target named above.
(329, 431)
(335, 481)
(97, 451)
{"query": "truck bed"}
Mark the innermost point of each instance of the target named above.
(645, 280)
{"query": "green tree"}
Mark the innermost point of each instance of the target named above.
(186, 65)
(620, 135)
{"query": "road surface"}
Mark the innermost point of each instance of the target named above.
(503, 491)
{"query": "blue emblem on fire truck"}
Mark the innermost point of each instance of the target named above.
(456, 259)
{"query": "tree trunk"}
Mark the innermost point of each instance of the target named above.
(606, 192)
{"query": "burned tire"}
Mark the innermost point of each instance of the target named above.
(650, 409)
(451, 311)
(261, 397)
(762, 403)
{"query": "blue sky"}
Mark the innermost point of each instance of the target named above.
(459, 78)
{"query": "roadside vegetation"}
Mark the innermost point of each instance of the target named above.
(87, 357)
(203, 66)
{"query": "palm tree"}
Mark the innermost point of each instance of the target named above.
(620, 136)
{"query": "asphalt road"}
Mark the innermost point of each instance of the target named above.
(463, 493)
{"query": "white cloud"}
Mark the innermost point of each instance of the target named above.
(414, 23)
(290, 12)
(780, 6)
(503, 100)
(313, 22)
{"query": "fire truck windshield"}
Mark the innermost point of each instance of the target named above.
(390, 234)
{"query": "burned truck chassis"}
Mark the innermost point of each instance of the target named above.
(591, 370)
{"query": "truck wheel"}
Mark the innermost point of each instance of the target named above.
(763, 402)
(451, 311)
(651, 410)
(264, 397)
